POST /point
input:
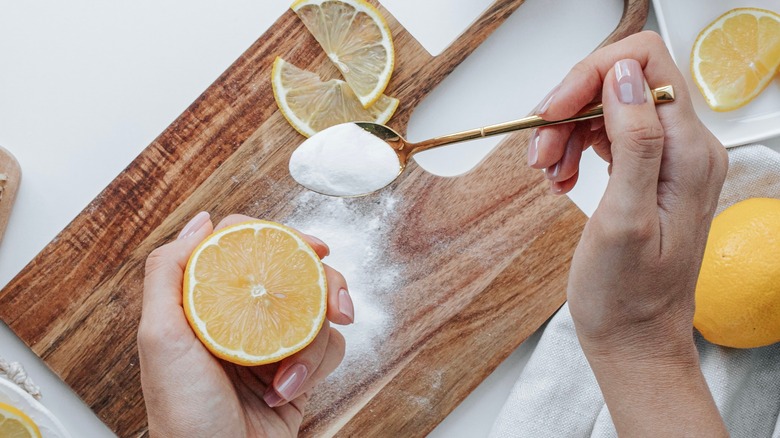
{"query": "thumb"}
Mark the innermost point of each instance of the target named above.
(165, 268)
(636, 136)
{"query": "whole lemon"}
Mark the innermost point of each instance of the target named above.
(738, 292)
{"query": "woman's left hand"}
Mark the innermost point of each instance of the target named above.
(189, 392)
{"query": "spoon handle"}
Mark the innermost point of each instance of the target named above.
(661, 95)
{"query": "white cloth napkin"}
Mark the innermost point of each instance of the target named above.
(557, 394)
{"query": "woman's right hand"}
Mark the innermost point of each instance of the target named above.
(633, 276)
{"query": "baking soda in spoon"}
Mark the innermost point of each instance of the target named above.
(344, 160)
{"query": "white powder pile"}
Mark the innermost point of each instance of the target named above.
(344, 160)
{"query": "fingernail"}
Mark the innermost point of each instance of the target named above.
(545, 105)
(345, 305)
(272, 399)
(556, 188)
(552, 171)
(320, 242)
(533, 148)
(596, 124)
(630, 82)
(194, 225)
(291, 381)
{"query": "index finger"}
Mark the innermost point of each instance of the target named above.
(584, 82)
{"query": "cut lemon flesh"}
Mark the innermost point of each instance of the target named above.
(255, 293)
(736, 57)
(356, 38)
(16, 424)
(311, 105)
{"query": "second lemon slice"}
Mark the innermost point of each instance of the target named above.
(357, 40)
(311, 105)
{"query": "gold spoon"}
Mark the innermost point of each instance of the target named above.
(405, 150)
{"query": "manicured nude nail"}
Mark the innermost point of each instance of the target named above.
(291, 381)
(533, 148)
(345, 305)
(552, 171)
(556, 188)
(596, 124)
(272, 399)
(194, 225)
(545, 105)
(630, 82)
(320, 243)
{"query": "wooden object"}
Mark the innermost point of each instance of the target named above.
(10, 177)
(448, 275)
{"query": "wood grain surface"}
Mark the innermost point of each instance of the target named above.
(10, 177)
(448, 275)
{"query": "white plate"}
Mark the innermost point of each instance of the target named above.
(48, 424)
(680, 22)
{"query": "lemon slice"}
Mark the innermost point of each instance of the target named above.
(356, 38)
(311, 105)
(735, 57)
(16, 424)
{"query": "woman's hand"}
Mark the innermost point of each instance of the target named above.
(188, 392)
(632, 280)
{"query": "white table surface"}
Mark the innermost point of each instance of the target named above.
(86, 85)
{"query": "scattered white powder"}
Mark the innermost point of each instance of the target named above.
(357, 231)
(344, 160)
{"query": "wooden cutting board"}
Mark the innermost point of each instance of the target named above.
(448, 275)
